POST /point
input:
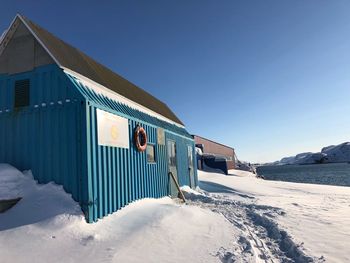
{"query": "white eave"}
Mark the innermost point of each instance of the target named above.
(100, 89)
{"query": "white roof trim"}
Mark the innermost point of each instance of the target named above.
(100, 89)
(6, 35)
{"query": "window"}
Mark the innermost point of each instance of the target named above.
(22, 93)
(171, 153)
(150, 153)
(190, 156)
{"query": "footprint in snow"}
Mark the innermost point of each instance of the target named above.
(86, 240)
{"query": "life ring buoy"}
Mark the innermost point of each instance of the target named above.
(140, 139)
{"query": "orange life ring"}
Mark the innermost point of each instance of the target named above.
(140, 139)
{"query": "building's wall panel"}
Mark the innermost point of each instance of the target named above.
(45, 136)
(131, 176)
(121, 176)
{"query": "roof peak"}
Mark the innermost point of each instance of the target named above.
(68, 57)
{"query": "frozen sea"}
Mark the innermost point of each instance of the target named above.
(330, 174)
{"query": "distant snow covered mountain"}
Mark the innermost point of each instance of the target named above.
(331, 154)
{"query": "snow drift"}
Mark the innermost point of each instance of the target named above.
(47, 225)
(236, 218)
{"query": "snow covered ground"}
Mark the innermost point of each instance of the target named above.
(315, 217)
(234, 218)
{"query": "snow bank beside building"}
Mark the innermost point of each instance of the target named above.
(236, 218)
(48, 226)
(11, 181)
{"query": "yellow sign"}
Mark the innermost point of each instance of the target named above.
(114, 132)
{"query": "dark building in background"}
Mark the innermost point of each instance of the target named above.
(215, 155)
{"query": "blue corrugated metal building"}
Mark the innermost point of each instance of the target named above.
(71, 120)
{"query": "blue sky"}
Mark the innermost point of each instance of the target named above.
(270, 78)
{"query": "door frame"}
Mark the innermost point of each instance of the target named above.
(176, 165)
(190, 169)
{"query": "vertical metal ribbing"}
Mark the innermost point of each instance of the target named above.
(138, 173)
(105, 181)
(66, 149)
(99, 182)
(141, 175)
(126, 179)
(128, 176)
(158, 170)
(124, 176)
(56, 142)
(162, 172)
(155, 170)
(94, 161)
(121, 175)
(118, 174)
(130, 164)
(123, 171)
(135, 174)
(117, 178)
(130, 179)
(110, 181)
(150, 172)
(41, 149)
(114, 181)
(87, 180)
(144, 171)
(153, 182)
(72, 140)
(165, 173)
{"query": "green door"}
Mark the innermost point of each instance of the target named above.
(190, 166)
(171, 149)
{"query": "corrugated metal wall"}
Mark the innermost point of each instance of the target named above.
(56, 137)
(120, 176)
(45, 136)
